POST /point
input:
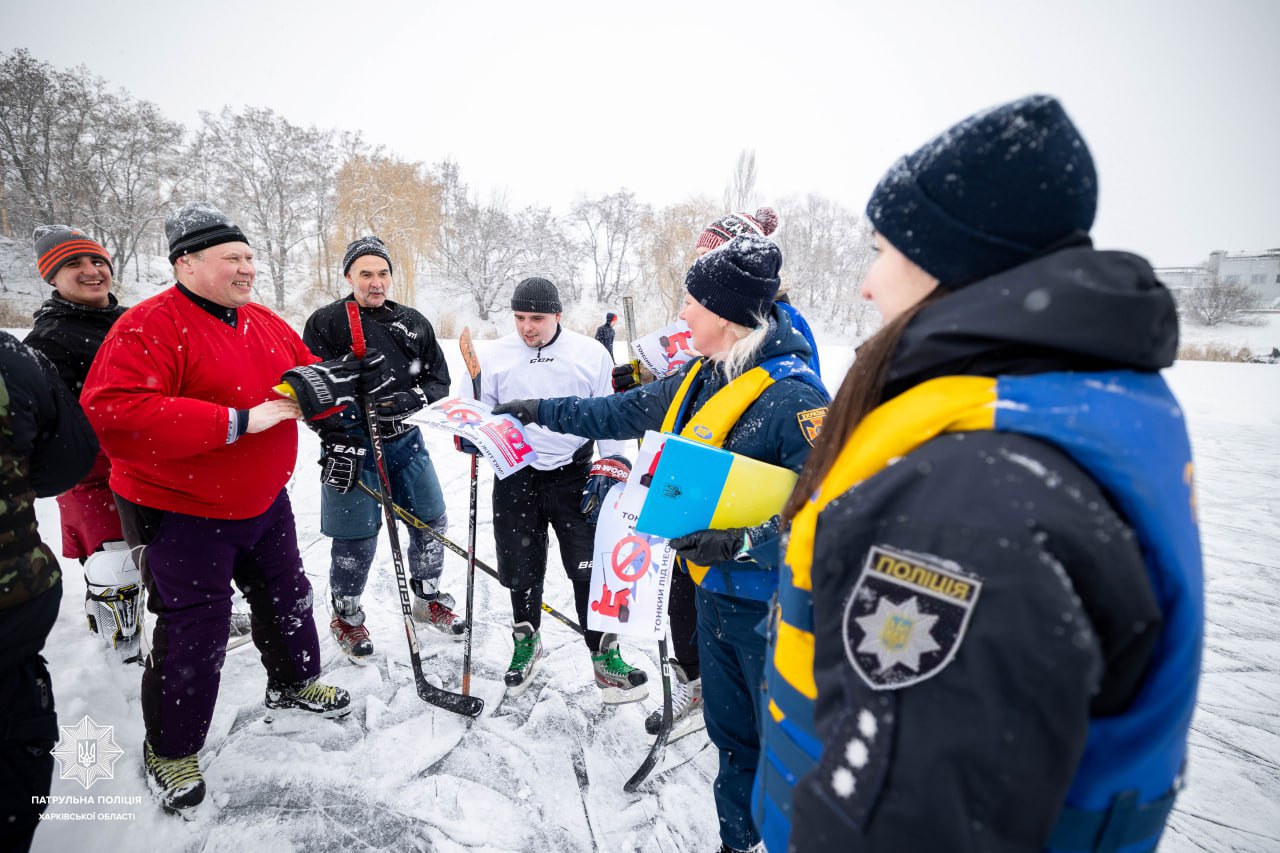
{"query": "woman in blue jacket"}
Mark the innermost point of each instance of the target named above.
(990, 614)
(754, 395)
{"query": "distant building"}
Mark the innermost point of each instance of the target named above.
(1259, 272)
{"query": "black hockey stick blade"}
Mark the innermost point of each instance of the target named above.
(654, 758)
(467, 706)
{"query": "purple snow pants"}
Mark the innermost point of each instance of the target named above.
(188, 566)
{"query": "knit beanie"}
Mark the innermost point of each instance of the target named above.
(57, 244)
(610, 317)
(536, 296)
(369, 245)
(738, 280)
(989, 193)
(764, 223)
(197, 226)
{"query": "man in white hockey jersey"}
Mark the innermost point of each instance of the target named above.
(562, 490)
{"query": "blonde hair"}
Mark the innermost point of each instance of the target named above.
(740, 357)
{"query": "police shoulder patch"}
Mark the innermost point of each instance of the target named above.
(810, 422)
(905, 617)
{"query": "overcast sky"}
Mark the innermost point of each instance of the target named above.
(1178, 99)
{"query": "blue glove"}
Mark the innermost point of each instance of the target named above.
(604, 474)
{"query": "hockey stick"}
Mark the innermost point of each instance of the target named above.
(467, 706)
(473, 368)
(413, 521)
(664, 732)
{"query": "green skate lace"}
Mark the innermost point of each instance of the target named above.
(317, 692)
(613, 662)
(524, 652)
(174, 772)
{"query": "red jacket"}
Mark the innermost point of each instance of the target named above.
(159, 395)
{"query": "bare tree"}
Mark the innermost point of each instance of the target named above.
(610, 228)
(740, 192)
(1219, 302)
(668, 249)
(826, 250)
(479, 248)
(550, 251)
(273, 174)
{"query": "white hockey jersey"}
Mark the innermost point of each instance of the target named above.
(572, 365)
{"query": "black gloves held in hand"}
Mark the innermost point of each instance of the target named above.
(322, 388)
(708, 547)
(461, 445)
(626, 376)
(525, 411)
(340, 464)
(604, 474)
(394, 408)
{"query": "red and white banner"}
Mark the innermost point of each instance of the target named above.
(500, 438)
(630, 572)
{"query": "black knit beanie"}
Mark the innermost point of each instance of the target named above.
(197, 226)
(56, 244)
(536, 296)
(738, 280)
(369, 245)
(989, 193)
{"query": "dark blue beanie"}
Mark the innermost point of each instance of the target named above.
(989, 193)
(738, 280)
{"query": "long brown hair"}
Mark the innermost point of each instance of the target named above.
(859, 394)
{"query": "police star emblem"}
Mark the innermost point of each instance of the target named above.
(905, 617)
(87, 752)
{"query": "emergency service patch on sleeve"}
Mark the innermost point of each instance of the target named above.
(811, 423)
(905, 618)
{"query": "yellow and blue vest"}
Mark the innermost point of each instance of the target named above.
(711, 424)
(1127, 776)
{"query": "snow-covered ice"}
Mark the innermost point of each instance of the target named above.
(544, 771)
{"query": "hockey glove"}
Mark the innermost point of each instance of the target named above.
(394, 408)
(626, 376)
(708, 547)
(340, 465)
(525, 411)
(461, 445)
(604, 474)
(324, 388)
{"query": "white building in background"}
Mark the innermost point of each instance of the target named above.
(1259, 272)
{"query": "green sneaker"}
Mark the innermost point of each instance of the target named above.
(619, 681)
(176, 782)
(525, 659)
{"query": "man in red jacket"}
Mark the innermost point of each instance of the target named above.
(181, 397)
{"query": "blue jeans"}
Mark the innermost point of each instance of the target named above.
(353, 519)
(732, 673)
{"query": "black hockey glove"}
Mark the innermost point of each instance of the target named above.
(321, 389)
(626, 376)
(394, 408)
(461, 445)
(340, 464)
(525, 411)
(604, 474)
(708, 547)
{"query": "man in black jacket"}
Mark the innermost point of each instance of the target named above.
(348, 513)
(46, 446)
(604, 333)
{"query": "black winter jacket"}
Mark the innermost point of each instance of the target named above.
(400, 333)
(70, 334)
(980, 755)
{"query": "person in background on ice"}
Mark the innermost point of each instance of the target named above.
(561, 490)
(181, 396)
(349, 514)
(46, 447)
(69, 328)
(988, 634)
(754, 394)
(605, 332)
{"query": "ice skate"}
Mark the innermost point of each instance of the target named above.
(176, 782)
(311, 696)
(439, 614)
(619, 681)
(347, 627)
(686, 707)
(525, 659)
